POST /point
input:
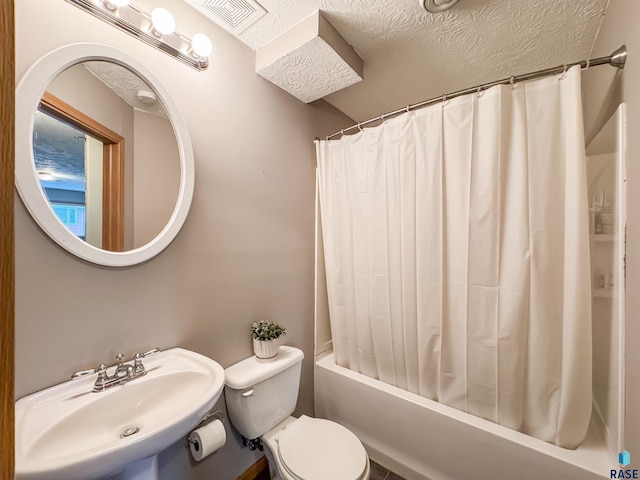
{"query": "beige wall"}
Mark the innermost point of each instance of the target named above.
(156, 175)
(246, 249)
(604, 89)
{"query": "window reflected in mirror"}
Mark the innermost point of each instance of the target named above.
(59, 153)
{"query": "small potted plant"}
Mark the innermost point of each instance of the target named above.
(266, 336)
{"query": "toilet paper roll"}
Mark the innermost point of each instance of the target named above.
(206, 440)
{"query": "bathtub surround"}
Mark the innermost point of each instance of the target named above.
(457, 255)
(245, 251)
(604, 90)
(606, 171)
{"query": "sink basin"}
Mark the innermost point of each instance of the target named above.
(67, 431)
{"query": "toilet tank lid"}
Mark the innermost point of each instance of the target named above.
(250, 372)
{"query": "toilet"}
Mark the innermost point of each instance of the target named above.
(260, 400)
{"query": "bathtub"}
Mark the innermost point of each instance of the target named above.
(424, 440)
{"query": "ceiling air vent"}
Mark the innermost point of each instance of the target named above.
(234, 16)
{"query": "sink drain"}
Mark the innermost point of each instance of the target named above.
(129, 431)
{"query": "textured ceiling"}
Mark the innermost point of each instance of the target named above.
(411, 55)
(126, 85)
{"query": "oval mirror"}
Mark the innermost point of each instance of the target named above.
(104, 162)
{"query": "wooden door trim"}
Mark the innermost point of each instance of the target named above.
(113, 167)
(113, 197)
(7, 244)
(62, 110)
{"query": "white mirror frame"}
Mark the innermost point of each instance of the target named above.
(28, 94)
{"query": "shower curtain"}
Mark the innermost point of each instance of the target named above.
(457, 255)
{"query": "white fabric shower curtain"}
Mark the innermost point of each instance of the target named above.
(457, 255)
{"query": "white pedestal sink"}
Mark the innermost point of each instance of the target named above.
(68, 432)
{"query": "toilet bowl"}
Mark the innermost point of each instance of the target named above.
(308, 448)
(260, 400)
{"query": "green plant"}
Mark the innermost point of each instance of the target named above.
(267, 330)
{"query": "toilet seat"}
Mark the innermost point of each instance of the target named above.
(318, 449)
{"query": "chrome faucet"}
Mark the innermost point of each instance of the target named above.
(123, 373)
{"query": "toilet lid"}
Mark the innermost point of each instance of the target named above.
(317, 449)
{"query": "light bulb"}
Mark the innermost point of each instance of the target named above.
(162, 21)
(201, 45)
(116, 4)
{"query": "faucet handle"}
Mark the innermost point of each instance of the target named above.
(101, 370)
(84, 373)
(138, 367)
(153, 351)
(119, 357)
(102, 379)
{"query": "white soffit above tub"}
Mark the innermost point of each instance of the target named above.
(310, 60)
(411, 55)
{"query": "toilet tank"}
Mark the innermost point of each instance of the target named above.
(261, 395)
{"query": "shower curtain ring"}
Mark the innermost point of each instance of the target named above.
(564, 71)
(512, 82)
(479, 90)
(359, 127)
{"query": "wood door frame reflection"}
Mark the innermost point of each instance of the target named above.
(113, 167)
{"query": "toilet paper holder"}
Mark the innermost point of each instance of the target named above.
(213, 414)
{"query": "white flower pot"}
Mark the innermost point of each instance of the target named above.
(266, 350)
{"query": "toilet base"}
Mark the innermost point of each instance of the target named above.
(269, 442)
(273, 471)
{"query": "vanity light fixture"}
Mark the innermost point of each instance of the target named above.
(201, 46)
(156, 29)
(162, 22)
(114, 5)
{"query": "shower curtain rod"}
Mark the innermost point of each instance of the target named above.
(616, 59)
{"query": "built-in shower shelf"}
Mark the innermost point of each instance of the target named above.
(604, 294)
(603, 238)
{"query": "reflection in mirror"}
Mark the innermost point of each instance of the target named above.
(59, 151)
(106, 156)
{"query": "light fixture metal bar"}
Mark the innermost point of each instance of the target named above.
(616, 59)
(116, 20)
